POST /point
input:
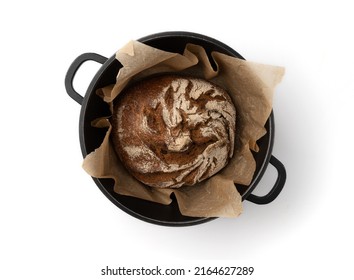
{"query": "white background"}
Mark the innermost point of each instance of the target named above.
(56, 224)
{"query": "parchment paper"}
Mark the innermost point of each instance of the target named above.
(250, 86)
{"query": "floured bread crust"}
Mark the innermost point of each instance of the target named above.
(170, 130)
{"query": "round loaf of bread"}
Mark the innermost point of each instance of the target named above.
(171, 130)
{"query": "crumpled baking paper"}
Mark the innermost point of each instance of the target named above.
(251, 87)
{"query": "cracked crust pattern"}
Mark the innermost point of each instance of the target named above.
(170, 130)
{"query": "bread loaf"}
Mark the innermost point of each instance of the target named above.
(171, 130)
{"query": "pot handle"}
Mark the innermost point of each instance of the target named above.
(73, 69)
(278, 186)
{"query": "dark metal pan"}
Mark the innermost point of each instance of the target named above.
(92, 107)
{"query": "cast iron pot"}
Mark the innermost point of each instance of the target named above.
(92, 107)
